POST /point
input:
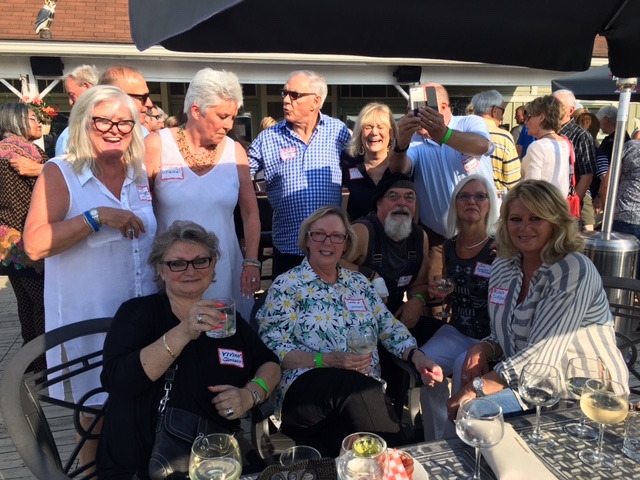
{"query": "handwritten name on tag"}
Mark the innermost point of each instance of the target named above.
(144, 194)
(172, 172)
(470, 164)
(288, 153)
(233, 358)
(498, 296)
(482, 270)
(355, 305)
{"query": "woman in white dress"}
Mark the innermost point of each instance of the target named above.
(548, 158)
(198, 173)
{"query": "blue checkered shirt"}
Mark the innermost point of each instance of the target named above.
(300, 178)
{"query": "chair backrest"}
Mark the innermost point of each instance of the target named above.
(27, 407)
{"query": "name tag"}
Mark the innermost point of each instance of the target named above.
(144, 194)
(470, 164)
(498, 296)
(288, 153)
(482, 270)
(355, 305)
(233, 358)
(172, 172)
(354, 174)
(405, 280)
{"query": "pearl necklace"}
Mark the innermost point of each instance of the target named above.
(476, 245)
(196, 161)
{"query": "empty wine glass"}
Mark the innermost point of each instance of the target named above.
(215, 457)
(480, 424)
(540, 385)
(362, 339)
(441, 287)
(606, 403)
(579, 370)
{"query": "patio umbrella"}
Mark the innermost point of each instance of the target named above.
(550, 34)
(594, 84)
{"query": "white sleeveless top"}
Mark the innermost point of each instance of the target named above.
(549, 160)
(95, 276)
(209, 200)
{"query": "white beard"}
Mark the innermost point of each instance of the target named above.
(398, 227)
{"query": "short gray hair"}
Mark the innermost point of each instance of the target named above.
(14, 118)
(608, 111)
(84, 74)
(317, 83)
(80, 149)
(483, 102)
(322, 212)
(566, 95)
(453, 221)
(209, 88)
(181, 231)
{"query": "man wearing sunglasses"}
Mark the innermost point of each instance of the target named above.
(300, 157)
(152, 119)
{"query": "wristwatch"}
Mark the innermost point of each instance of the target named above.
(96, 216)
(256, 397)
(477, 384)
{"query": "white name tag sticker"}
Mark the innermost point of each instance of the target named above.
(287, 154)
(233, 358)
(172, 172)
(144, 194)
(355, 305)
(470, 164)
(405, 280)
(482, 270)
(498, 296)
(354, 174)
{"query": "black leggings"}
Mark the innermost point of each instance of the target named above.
(29, 294)
(324, 405)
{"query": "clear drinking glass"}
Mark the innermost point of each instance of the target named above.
(215, 457)
(479, 424)
(607, 405)
(540, 385)
(362, 340)
(363, 456)
(579, 370)
(442, 287)
(298, 454)
(227, 327)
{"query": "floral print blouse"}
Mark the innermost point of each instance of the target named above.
(303, 312)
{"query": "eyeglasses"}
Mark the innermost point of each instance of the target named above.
(142, 97)
(337, 238)
(294, 95)
(105, 125)
(35, 119)
(394, 197)
(478, 197)
(501, 108)
(157, 117)
(182, 265)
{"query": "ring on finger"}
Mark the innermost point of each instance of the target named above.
(199, 318)
(229, 412)
(130, 232)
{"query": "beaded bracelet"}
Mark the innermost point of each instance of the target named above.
(166, 345)
(254, 262)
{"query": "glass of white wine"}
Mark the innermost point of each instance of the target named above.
(215, 457)
(442, 287)
(480, 424)
(362, 340)
(606, 404)
(363, 455)
(540, 385)
(579, 370)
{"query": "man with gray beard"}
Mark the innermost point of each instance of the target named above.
(391, 246)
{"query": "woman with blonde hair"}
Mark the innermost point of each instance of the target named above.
(365, 160)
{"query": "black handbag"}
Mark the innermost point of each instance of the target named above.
(176, 430)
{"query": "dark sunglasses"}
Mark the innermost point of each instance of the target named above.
(294, 95)
(142, 97)
(104, 125)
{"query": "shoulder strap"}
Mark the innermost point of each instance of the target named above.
(572, 158)
(169, 377)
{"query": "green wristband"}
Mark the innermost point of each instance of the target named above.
(260, 382)
(418, 295)
(446, 137)
(318, 359)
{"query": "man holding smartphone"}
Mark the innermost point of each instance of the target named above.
(454, 147)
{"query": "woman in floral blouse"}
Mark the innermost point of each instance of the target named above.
(326, 392)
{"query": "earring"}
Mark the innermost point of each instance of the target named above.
(361, 150)
(389, 147)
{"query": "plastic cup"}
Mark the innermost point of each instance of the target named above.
(631, 444)
(227, 307)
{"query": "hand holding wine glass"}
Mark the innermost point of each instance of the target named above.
(606, 403)
(480, 424)
(442, 287)
(579, 370)
(362, 339)
(540, 385)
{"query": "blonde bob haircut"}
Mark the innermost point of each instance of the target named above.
(306, 225)
(371, 114)
(545, 201)
(80, 150)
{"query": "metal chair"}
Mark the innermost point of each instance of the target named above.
(626, 313)
(29, 412)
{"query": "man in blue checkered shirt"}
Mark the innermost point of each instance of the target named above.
(300, 157)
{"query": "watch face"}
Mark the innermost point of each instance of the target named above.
(477, 386)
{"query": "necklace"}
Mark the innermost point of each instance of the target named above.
(194, 160)
(476, 245)
(546, 135)
(181, 316)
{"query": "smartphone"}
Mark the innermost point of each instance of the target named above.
(432, 98)
(417, 98)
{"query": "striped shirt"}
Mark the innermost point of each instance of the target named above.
(504, 159)
(564, 315)
(628, 200)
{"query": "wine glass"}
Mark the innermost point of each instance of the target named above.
(362, 339)
(579, 370)
(480, 424)
(363, 455)
(540, 385)
(441, 287)
(215, 457)
(606, 403)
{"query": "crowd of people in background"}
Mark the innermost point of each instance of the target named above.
(137, 209)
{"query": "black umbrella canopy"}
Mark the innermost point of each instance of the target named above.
(594, 84)
(549, 34)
